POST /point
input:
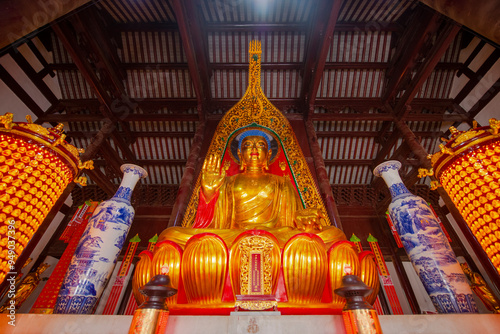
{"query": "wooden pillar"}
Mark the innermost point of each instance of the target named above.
(186, 185)
(96, 142)
(414, 144)
(323, 181)
(421, 154)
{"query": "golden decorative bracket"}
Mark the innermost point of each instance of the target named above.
(6, 120)
(423, 172)
(446, 150)
(81, 180)
(494, 125)
(89, 164)
(435, 185)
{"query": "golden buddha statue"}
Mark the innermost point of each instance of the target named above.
(254, 199)
(27, 286)
(256, 224)
(482, 290)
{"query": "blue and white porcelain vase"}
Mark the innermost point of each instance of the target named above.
(426, 245)
(99, 247)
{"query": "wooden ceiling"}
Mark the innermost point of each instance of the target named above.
(139, 78)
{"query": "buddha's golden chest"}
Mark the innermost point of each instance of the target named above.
(247, 187)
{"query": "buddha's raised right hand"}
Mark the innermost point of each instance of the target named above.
(211, 177)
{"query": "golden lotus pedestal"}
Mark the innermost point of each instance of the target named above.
(255, 273)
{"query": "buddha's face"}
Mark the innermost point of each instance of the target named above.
(254, 151)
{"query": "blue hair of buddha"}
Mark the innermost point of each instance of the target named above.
(254, 132)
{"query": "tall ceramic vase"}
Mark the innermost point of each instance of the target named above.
(426, 245)
(99, 247)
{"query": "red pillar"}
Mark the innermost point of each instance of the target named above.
(185, 188)
(323, 180)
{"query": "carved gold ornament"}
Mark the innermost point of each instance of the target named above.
(254, 109)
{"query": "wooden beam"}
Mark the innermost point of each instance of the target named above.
(147, 162)
(298, 27)
(478, 76)
(98, 83)
(135, 134)
(192, 41)
(413, 143)
(128, 118)
(386, 148)
(46, 70)
(25, 98)
(387, 117)
(63, 31)
(465, 69)
(148, 107)
(443, 41)
(348, 162)
(96, 142)
(341, 134)
(423, 24)
(111, 157)
(146, 27)
(22, 17)
(102, 181)
(320, 39)
(119, 140)
(34, 76)
(484, 100)
(402, 108)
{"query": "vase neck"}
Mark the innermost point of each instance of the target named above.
(394, 182)
(398, 189)
(131, 176)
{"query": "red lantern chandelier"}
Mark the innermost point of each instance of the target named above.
(468, 168)
(36, 165)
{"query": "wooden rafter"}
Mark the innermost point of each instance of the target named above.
(149, 162)
(250, 27)
(478, 75)
(137, 134)
(113, 160)
(424, 24)
(128, 118)
(20, 92)
(34, 76)
(431, 56)
(424, 70)
(102, 181)
(110, 91)
(320, 38)
(487, 97)
(188, 22)
(387, 117)
(333, 134)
